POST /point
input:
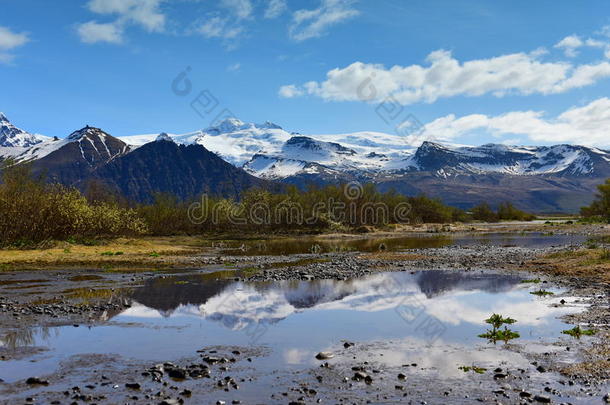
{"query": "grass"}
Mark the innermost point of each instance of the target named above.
(592, 264)
(475, 369)
(542, 293)
(568, 254)
(112, 253)
(531, 281)
(141, 252)
(577, 332)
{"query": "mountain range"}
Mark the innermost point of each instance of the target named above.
(232, 156)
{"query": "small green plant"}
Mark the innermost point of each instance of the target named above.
(496, 321)
(531, 281)
(475, 369)
(577, 332)
(112, 253)
(496, 334)
(154, 254)
(67, 250)
(605, 255)
(542, 292)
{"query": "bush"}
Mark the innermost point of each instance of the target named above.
(506, 212)
(32, 211)
(600, 208)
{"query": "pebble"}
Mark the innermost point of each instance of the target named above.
(324, 355)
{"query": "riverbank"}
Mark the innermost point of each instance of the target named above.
(181, 252)
(84, 300)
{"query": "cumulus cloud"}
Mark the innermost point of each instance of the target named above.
(290, 91)
(314, 23)
(92, 32)
(445, 76)
(570, 44)
(218, 27)
(9, 41)
(144, 13)
(586, 125)
(275, 8)
(241, 8)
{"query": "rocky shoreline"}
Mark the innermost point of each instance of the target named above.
(39, 298)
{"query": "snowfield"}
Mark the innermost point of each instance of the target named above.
(269, 151)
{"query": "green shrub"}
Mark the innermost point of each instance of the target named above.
(32, 211)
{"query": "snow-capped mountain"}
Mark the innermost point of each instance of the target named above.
(547, 178)
(572, 160)
(13, 140)
(270, 152)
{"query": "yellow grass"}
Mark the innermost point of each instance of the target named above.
(119, 252)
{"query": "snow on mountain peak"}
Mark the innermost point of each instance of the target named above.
(84, 132)
(227, 125)
(268, 125)
(164, 137)
(11, 136)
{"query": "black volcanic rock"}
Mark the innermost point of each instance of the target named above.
(184, 171)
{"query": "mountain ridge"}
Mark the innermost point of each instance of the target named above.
(538, 178)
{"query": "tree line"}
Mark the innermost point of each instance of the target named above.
(33, 211)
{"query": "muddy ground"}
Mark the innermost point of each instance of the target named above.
(569, 370)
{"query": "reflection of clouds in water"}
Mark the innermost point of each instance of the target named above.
(441, 359)
(297, 356)
(378, 293)
(240, 306)
(457, 308)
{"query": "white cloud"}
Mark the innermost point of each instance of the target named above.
(218, 27)
(241, 8)
(92, 32)
(570, 44)
(275, 8)
(144, 13)
(445, 76)
(308, 24)
(586, 125)
(10, 40)
(290, 91)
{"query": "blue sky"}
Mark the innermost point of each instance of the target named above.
(527, 72)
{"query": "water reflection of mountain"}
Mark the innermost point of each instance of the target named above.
(235, 303)
(165, 294)
(435, 283)
(168, 293)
